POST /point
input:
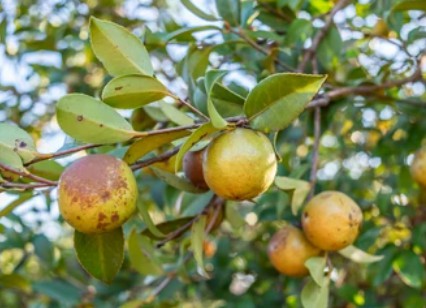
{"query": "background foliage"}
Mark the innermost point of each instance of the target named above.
(368, 137)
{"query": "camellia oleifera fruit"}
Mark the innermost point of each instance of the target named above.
(331, 220)
(193, 168)
(239, 164)
(97, 193)
(288, 250)
(418, 167)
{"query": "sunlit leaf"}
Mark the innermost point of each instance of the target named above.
(48, 169)
(315, 296)
(359, 256)
(89, 120)
(16, 139)
(133, 91)
(279, 99)
(141, 254)
(316, 267)
(143, 210)
(120, 51)
(410, 269)
(149, 143)
(213, 77)
(197, 12)
(298, 190)
(175, 115)
(201, 132)
(197, 240)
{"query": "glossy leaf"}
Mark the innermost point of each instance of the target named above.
(229, 10)
(201, 132)
(298, 190)
(176, 181)
(89, 120)
(279, 99)
(120, 51)
(16, 139)
(197, 241)
(316, 267)
(48, 169)
(141, 254)
(149, 143)
(407, 5)
(410, 269)
(143, 210)
(359, 256)
(175, 115)
(213, 77)
(197, 12)
(11, 159)
(133, 91)
(314, 295)
(101, 255)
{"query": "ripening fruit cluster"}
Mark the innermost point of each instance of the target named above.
(330, 222)
(98, 193)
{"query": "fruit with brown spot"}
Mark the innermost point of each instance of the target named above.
(193, 168)
(331, 220)
(418, 167)
(97, 193)
(288, 250)
(239, 164)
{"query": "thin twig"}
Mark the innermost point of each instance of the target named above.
(147, 162)
(310, 52)
(259, 48)
(315, 154)
(27, 175)
(23, 187)
(192, 108)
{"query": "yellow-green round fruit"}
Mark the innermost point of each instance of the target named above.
(239, 164)
(331, 220)
(97, 193)
(418, 167)
(288, 250)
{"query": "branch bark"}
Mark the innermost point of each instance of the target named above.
(310, 52)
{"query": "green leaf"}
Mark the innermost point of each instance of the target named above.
(15, 203)
(60, 290)
(297, 189)
(141, 254)
(330, 49)
(15, 281)
(410, 269)
(195, 137)
(143, 209)
(10, 158)
(175, 115)
(229, 10)
(233, 215)
(176, 181)
(16, 139)
(197, 12)
(48, 169)
(101, 255)
(197, 241)
(359, 256)
(43, 248)
(120, 51)
(279, 99)
(315, 296)
(316, 267)
(407, 5)
(149, 143)
(213, 77)
(168, 226)
(89, 120)
(133, 91)
(185, 31)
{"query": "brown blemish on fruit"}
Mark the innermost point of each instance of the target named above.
(306, 215)
(79, 118)
(101, 217)
(114, 217)
(105, 196)
(22, 144)
(78, 217)
(101, 125)
(118, 88)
